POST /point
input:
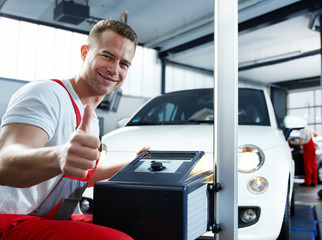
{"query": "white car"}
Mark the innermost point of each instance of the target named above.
(183, 121)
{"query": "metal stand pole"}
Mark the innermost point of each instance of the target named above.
(226, 107)
(320, 30)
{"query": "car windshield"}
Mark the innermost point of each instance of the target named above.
(196, 107)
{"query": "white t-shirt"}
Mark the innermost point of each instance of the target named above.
(306, 134)
(47, 105)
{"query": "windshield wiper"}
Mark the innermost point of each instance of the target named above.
(178, 122)
(142, 123)
(190, 121)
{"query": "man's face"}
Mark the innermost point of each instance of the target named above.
(106, 62)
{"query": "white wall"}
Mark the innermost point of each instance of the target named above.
(181, 77)
(34, 52)
(144, 76)
(24, 58)
(7, 88)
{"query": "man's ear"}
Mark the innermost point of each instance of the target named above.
(84, 51)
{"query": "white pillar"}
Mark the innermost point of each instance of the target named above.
(226, 121)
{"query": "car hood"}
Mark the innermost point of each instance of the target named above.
(185, 137)
(164, 137)
(261, 136)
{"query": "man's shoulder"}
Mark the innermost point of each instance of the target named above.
(44, 85)
(44, 89)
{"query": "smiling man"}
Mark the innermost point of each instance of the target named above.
(45, 164)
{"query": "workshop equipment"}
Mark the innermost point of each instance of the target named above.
(159, 195)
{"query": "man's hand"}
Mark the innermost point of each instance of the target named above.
(81, 152)
(142, 150)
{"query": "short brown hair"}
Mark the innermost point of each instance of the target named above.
(118, 27)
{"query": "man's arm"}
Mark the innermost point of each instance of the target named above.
(299, 143)
(24, 161)
(106, 170)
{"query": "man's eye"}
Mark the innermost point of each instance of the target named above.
(125, 65)
(107, 57)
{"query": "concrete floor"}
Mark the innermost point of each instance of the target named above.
(307, 195)
(308, 213)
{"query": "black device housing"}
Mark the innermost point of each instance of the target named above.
(149, 203)
(70, 12)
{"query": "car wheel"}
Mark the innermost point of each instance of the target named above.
(285, 233)
(320, 173)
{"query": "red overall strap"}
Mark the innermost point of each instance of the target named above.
(78, 115)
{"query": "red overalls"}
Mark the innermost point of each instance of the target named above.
(45, 222)
(310, 163)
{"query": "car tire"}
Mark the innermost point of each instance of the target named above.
(320, 173)
(285, 233)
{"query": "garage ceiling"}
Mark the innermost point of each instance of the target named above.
(270, 31)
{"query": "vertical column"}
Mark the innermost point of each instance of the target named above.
(226, 107)
(163, 74)
(320, 28)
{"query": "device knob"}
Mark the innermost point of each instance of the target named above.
(156, 166)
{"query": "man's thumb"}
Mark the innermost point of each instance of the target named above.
(86, 119)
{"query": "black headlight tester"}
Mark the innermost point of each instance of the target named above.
(159, 195)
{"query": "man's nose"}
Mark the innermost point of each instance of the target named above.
(113, 68)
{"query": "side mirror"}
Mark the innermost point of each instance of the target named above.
(293, 123)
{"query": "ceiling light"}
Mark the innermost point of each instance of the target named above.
(70, 12)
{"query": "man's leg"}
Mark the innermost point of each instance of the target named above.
(307, 166)
(42, 229)
(314, 169)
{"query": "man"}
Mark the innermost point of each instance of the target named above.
(45, 164)
(309, 156)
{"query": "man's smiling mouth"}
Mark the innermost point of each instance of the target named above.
(108, 78)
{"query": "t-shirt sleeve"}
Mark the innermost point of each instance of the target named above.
(305, 134)
(36, 103)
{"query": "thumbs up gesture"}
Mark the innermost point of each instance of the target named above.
(80, 153)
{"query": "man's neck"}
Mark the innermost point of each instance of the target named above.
(84, 93)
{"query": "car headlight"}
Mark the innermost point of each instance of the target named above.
(258, 185)
(86, 206)
(250, 158)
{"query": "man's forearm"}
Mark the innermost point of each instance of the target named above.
(21, 166)
(105, 171)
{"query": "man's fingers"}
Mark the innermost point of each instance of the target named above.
(86, 119)
(80, 139)
(142, 150)
(75, 172)
(82, 163)
(90, 153)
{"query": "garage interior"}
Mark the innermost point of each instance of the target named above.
(279, 49)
